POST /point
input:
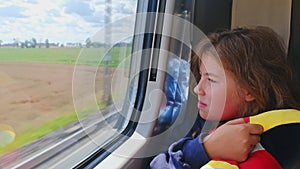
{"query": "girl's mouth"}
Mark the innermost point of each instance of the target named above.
(201, 105)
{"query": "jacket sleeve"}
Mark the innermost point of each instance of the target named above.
(186, 153)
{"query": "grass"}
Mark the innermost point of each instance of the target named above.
(48, 127)
(81, 56)
(35, 133)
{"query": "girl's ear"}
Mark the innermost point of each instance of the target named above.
(249, 97)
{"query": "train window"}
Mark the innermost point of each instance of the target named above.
(64, 70)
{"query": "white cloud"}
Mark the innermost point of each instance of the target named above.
(57, 20)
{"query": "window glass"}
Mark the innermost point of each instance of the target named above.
(64, 70)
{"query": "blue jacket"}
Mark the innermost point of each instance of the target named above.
(187, 153)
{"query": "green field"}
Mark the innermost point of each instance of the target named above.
(36, 133)
(81, 56)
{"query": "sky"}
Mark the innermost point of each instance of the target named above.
(59, 21)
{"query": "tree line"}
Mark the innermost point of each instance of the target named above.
(32, 43)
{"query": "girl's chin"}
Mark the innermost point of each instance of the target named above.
(204, 114)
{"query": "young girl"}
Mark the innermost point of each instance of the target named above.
(240, 73)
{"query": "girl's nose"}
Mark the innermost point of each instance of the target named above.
(199, 88)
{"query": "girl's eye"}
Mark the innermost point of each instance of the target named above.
(211, 80)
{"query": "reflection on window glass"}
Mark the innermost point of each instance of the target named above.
(177, 75)
(64, 69)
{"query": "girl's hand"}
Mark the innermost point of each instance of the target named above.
(233, 140)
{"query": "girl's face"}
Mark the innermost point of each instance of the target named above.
(219, 96)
